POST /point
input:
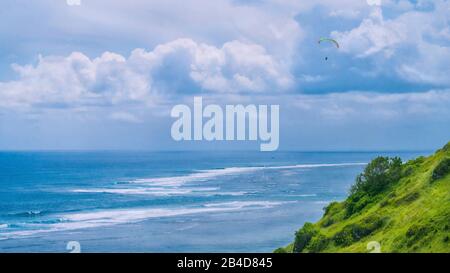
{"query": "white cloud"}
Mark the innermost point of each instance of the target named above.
(345, 13)
(376, 106)
(373, 35)
(152, 22)
(431, 65)
(374, 2)
(125, 117)
(415, 44)
(311, 78)
(111, 79)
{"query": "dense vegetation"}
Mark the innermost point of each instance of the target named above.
(403, 206)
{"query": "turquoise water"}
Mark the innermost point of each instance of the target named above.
(167, 201)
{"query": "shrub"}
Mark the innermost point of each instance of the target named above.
(384, 203)
(280, 250)
(356, 232)
(356, 203)
(331, 207)
(417, 161)
(446, 147)
(417, 232)
(367, 227)
(343, 238)
(408, 198)
(409, 170)
(328, 222)
(318, 243)
(303, 237)
(441, 170)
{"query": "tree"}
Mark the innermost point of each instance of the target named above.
(378, 174)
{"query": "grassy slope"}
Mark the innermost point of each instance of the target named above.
(414, 212)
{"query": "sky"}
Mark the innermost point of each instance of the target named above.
(105, 74)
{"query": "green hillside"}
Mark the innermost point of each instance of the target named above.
(403, 206)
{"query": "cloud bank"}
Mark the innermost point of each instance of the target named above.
(181, 67)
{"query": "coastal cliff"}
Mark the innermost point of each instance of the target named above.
(392, 207)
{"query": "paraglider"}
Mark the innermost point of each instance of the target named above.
(322, 40)
(329, 40)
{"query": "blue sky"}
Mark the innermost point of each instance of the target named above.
(105, 74)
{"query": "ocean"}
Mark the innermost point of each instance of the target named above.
(116, 201)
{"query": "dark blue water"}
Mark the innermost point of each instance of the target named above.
(167, 201)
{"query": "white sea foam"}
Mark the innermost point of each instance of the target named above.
(198, 176)
(176, 191)
(308, 166)
(2, 226)
(160, 191)
(208, 174)
(304, 195)
(103, 218)
(248, 204)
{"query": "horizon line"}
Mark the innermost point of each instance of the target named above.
(220, 150)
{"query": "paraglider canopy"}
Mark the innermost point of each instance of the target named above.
(329, 40)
